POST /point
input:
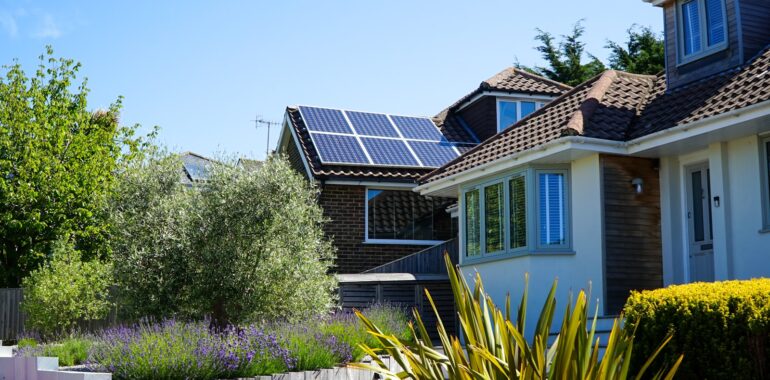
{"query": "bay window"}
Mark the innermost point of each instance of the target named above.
(521, 213)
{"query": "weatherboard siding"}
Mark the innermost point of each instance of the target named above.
(481, 117)
(632, 231)
(755, 25)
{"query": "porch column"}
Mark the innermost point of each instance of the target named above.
(719, 210)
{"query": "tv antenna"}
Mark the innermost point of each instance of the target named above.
(259, 122)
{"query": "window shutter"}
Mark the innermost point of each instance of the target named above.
(552, 213)
(716, 22)
(691, 27)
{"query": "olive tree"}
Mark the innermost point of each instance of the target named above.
(245, 245)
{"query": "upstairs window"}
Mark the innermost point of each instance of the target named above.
(403, 216)
(511, 111)
(702, 27)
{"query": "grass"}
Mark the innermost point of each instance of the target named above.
(70, 351)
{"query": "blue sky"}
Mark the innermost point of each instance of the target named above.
(202, 70)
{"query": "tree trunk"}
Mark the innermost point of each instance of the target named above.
(219, 317)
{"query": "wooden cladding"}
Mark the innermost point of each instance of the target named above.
(632, 237)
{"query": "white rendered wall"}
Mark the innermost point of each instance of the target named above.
(741, 249)
(579, 271)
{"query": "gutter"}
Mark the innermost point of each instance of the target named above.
(600, 145)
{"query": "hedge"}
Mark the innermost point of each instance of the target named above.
(723, 328)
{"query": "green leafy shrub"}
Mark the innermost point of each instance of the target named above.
(723, 328)
(70, 351)
(67, 290)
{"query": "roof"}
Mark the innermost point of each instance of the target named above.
(620, 106)
(249, 164)
(453, 133)
(516, 81)
(194, 168)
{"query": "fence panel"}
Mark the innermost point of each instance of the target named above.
(11, 317)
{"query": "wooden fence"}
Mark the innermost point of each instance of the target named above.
(11, 317)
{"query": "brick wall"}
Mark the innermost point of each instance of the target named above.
(344, 206)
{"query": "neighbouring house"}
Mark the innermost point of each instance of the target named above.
(630, 181)
(195, 168)
(366, 165)
(249, 164)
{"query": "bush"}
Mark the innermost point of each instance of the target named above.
(723, 328)
(70, 351)
(67, 290)
(247, 246)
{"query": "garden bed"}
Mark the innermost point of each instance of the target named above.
(317, 348)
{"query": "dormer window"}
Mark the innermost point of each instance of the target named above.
(702, 28)
(510, 111)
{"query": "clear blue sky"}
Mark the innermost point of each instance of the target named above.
(203, 70)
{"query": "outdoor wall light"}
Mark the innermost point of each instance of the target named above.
(637, 184)
(716, 201)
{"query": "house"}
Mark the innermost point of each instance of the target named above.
(366, 165)
(630, 181)
(195, 168)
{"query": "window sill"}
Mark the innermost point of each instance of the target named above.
(504, 256)
(403, 242)
(684, 61)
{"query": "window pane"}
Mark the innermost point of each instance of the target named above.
(691, 27)
(552, 211)
(518, 221)
(494, 224)
(527, 108)
(508, 114)
(405, 215)
(716, 22)
(472, 224)
(697, 205)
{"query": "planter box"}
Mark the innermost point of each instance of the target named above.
(336, 373)
(42, 368)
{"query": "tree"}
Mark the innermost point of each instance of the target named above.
(66, 290)
(57, 161)
(565, 60)
(643, 53)
(246, 245)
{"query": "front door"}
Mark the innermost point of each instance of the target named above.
(701, 237)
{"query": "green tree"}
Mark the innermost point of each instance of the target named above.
(66, 290)
(643, 52)
(57, 161)
(565, 59)
(247, 245)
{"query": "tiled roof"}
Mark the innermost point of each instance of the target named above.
(515, 80)
(621, 106)
(322, 171)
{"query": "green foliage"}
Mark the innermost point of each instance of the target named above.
(643, 53)
(65, 291)
(723, 327)
(496, 347)
(247, 245)
(70, 351)
(565, 58)
(57, 161)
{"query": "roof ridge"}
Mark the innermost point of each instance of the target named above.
(591, 101)
(540, 77)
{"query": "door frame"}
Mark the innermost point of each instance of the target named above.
(707, 215)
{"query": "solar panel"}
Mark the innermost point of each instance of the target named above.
(339, 149)
(371, 124)
(197, 168)
(417, 128)
(389, 152)
(325, 120)
(433, 154)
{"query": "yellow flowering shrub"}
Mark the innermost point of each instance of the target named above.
(723, 328)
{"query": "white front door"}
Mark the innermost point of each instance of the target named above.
(701, 236)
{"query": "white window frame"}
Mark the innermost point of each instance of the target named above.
(388, 241)
(567, 215)
(706, 50)
(538, 104)
(532, 214)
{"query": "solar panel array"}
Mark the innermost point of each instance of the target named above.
(372, 139)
